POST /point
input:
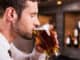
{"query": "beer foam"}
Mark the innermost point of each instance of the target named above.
(44, 27)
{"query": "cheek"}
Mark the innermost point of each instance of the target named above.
(26, 26)
(26, 23)
(29, 23)
(29, 26)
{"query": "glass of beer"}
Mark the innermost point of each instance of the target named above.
(46, 38)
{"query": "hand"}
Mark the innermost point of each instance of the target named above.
(39, 49)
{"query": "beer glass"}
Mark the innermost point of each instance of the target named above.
(46, 38)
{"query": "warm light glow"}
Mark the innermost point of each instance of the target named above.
(59, 2)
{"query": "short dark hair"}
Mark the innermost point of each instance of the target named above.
(18, 5)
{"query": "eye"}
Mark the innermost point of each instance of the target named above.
(34, 15)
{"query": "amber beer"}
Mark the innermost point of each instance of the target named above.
(46, 39)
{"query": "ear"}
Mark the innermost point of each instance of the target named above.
(11, 14)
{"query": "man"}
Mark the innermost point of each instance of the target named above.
(17, 18)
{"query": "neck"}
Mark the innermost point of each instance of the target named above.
(7, 35)
(6, 31)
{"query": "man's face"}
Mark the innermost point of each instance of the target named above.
(28, 20)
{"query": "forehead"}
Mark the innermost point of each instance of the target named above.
(32, 6)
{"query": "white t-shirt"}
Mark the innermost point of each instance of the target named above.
(4, 47)
(16, 53)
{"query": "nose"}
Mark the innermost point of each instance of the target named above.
(36, 22)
